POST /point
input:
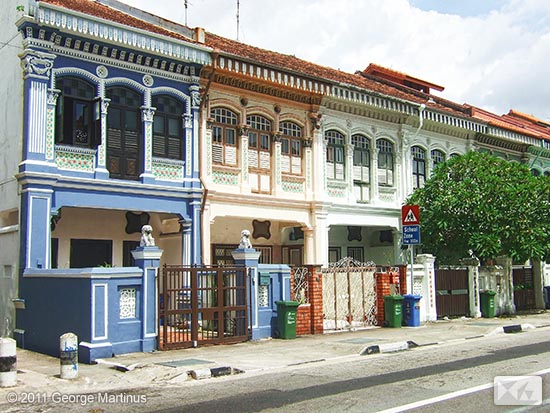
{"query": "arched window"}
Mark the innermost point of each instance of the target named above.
(291, 147)
(361, 166)
(535, 172)
(385, 162)
(77, 120)
(224, 136)
(259, 153)
(124, 152)
(437, 158)
(335, 155)
(167, 128)
(418, 166)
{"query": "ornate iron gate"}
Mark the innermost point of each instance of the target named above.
(202, 305)
(524, 293)
(451, 285)
(349, 294)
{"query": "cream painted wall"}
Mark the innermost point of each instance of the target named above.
(82, 223)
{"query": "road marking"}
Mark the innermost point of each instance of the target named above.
(448, 396)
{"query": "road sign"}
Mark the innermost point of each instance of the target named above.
(411, 234)
(410, 215)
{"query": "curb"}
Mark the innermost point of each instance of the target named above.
(513, 328)
(207, 373)
(388, 347)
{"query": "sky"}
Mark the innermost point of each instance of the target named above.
(493, 54)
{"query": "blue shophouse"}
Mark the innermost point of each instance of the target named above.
(110, 143)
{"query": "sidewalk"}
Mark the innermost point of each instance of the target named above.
(37, 372)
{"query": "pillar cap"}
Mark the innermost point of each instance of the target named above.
(147, 253)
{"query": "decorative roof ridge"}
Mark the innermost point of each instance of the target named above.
(372, 68)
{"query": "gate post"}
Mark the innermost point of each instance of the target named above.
(428, 310)
(473, 285)
(148, 259)
(315, 287)
(248, 258)
(508, 284)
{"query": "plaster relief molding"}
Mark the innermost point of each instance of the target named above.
(36, 64)
(117, 33)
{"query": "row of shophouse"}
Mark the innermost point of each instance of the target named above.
(113, 118)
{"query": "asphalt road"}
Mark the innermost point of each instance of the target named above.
(444, 378)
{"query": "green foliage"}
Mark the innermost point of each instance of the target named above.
(485, 204)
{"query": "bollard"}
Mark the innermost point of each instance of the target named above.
(8, 362)
(68, 355)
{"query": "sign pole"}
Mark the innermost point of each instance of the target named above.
(412, 269)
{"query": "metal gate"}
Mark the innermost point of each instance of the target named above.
(451, 287)
(349, 294)
(202, 305)
(524, 292)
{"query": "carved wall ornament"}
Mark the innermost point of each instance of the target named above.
(277, 108)
(148, 80)
(52, 96)
(354, 233)
(244, 130)
(261, 229)
(148, 114)
(102, 72)
(39, 63)
(209, 123)
(134, 222)
(244, 101)
(195, 99)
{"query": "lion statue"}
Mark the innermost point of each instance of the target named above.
(147, 239)
(245, 239)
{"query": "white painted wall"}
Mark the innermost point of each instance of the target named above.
(11, 120)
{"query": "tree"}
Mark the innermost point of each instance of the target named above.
(486, 205)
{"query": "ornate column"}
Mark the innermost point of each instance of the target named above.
(192, 135)
(53, 95)
(245, 179)
(207, 150)
(308, 168)
(147, 115)
(38, 147)
(101, 168)
(319, 150)
(37, 68)
(348, 173)
(277, 177)
(374, 192)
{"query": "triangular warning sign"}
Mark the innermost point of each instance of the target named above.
(410, 217)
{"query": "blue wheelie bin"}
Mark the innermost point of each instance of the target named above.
(411, 310)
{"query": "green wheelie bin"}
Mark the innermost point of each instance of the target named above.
(487, 303)
(286, 318)
(393, 313)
